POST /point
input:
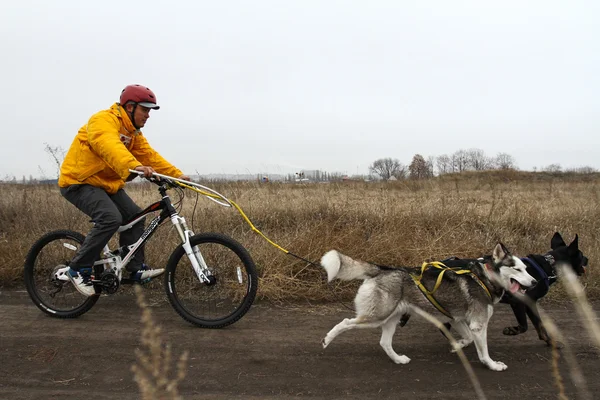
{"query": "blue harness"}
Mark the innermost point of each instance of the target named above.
(540, 270)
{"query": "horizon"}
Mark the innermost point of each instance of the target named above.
(554, 168)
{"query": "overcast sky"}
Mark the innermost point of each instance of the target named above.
(278, 86)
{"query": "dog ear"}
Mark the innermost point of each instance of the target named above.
(500, 253)
(574, 246)
(557, 241)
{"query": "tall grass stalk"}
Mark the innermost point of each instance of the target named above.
(582, 305)
(152, 370)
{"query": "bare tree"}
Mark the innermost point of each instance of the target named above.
(430, 165)
(418, 168)
(552, 168)
(401, 173)
(386, 168)
(504, 161)
(444, 164)
(477, 160)
(57, 153)
(460, 161)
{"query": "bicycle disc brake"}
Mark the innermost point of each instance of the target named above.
(56, 282)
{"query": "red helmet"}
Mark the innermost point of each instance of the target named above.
(140, 95)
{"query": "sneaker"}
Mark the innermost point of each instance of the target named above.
(82, 281)
(145, 274)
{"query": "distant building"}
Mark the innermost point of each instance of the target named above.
(312, 175)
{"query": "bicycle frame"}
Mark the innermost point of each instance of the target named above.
(116, 260)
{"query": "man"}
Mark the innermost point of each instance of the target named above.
(93, 174)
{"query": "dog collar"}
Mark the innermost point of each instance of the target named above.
(545, 277)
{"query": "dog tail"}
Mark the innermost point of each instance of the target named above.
(345, 268)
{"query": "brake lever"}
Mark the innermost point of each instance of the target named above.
(169, 182)
(153, 179)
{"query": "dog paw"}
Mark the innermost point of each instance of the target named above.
(496, 366)
(401, 360)
(513, 330)
(324, 342)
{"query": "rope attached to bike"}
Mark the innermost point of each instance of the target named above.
(222, 200)
(218, 196)
(429, 294)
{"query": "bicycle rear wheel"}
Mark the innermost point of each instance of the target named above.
(54, 296)
(229, 295)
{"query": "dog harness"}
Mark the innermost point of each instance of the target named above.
(540, 270)
(443, 268)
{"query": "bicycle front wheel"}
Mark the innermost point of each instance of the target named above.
(55, 296)
(230, 293)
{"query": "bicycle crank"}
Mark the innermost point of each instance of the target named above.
(109, 282)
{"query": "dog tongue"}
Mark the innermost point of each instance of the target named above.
(514, 286)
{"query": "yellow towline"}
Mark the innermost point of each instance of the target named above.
(239, 209)
(417, 278)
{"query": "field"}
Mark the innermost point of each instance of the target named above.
(398, 223)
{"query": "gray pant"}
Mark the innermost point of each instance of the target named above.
(108, 212)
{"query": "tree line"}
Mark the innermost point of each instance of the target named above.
(457, 162)
(384, 168)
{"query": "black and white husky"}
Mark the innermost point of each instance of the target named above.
(389, 294)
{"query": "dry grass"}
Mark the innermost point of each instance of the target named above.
(399, 223)
(152, 371)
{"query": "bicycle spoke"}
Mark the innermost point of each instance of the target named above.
(231, 290)
(54, 296)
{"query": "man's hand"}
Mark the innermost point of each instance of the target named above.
(148, 171)
(185, 177)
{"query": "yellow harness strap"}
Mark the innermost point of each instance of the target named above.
(429, 294)
(485, 288)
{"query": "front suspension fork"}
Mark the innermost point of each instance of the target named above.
(193, 253)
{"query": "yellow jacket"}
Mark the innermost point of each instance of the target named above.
(105, 149)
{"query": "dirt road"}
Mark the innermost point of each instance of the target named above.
(273, 352)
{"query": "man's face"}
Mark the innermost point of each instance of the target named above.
(140, 115)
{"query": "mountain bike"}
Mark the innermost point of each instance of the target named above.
(210, 279)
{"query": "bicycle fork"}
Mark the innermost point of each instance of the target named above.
(193, 253)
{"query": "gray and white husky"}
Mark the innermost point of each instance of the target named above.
(389, 294)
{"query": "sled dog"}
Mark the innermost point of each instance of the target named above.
(543, 268)
(464, 296)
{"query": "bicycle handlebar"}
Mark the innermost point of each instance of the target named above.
(190, 185)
